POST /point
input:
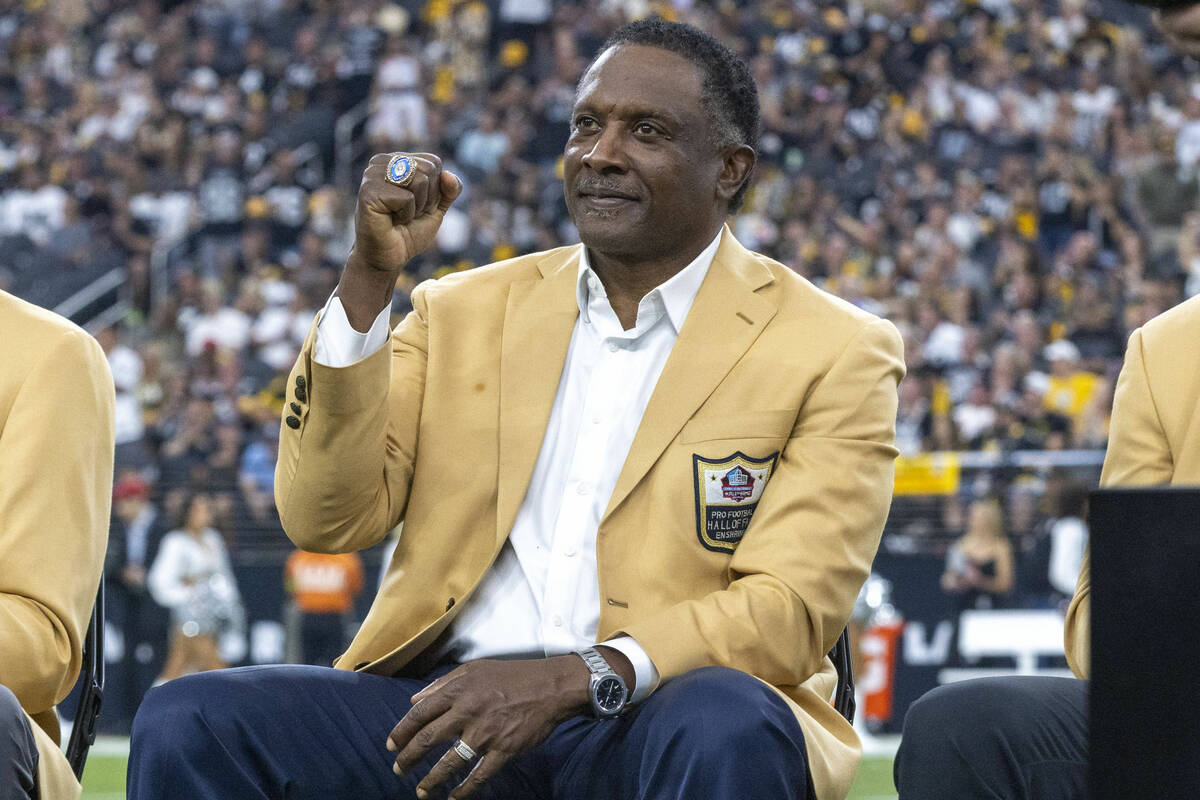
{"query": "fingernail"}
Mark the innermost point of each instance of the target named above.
(422, 794)
(391, 746)
(396, 769)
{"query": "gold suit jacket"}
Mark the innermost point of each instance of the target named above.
(1154, 437)
(56, 465)
(443, 429)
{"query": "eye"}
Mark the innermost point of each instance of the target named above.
(586, 124)
(646, 129)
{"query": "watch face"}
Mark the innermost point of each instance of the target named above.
(610, 693)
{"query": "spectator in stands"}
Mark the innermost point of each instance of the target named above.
(1068, 539)
(1070, 391)
(323, 587)
(137, 532)
(979, 565)
(193, 578)
(256, 474)
(398, 110)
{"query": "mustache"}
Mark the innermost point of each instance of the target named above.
(604, 187)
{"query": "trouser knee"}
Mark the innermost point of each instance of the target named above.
(171, 719)
(18, 750)
(717, 713)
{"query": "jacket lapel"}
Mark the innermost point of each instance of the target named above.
(725, 319)
(538, 322)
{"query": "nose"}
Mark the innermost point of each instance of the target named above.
(608, 151)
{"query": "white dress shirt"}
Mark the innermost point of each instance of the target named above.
(541, 596)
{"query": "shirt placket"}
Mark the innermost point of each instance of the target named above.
(580, 511)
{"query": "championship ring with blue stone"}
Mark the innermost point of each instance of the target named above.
(400, 170)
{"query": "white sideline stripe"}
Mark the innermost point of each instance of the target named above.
(880, 746)
(110, 747)
(873, 746)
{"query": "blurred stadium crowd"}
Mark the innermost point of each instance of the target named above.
(1012, 182)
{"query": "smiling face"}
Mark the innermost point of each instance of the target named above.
(644, 177)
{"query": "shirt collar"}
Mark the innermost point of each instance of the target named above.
(676, 294)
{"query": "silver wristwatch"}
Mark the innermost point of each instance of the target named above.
(608, 691)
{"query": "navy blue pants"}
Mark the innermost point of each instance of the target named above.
(311, 732)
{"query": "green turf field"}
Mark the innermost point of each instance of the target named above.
(104, 779)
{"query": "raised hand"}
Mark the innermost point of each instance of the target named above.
(393, 223)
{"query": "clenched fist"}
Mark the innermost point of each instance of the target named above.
(392, 225)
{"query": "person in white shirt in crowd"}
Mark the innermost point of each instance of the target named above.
(226, 327)
(1068, 539)
(192, 577)
(398, 104)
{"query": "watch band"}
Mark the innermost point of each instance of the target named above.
(606, 704)
(595, 662)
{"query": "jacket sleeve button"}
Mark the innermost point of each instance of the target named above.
(292, 422)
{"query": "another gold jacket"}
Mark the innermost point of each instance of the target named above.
(1154, 437)
(56, 467)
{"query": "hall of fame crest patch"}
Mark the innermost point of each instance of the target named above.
(727, 493)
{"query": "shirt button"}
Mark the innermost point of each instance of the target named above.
(596, 420)
(557, 621)
(570, 553)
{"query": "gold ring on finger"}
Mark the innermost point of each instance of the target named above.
(400, 170)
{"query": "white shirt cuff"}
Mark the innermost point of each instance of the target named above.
(339, 345)
(644, 671)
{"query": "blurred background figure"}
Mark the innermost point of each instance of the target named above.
(137, 532)
(979, 565)
(1068, 541)
(192, 577)
(323, 587)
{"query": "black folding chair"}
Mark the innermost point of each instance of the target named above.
(843, 696)
(87, 712)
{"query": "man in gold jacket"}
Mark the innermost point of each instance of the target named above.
(56, 464)
(1027, 737)
(644, 475)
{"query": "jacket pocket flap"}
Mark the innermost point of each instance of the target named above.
(750, 425)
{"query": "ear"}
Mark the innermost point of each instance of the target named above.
(737, 163)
